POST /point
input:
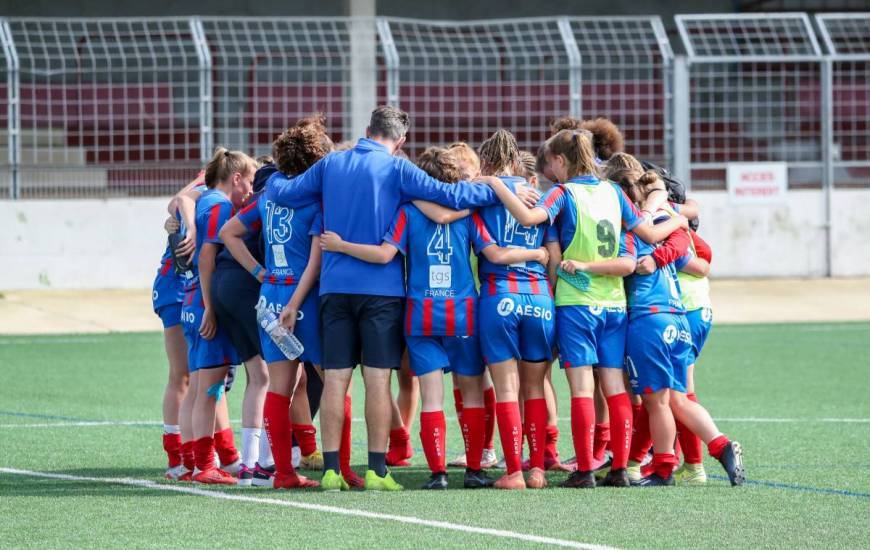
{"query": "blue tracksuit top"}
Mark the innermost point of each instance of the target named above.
(361, 190)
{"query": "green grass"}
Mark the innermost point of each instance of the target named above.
(810, 480)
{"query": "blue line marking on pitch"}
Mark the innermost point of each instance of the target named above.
(803, 488)
(45, 416)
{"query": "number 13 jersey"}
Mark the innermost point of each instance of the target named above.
(592, 218)
(520, 278)
(441, 296)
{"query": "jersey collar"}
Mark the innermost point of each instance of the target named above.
(587, 179)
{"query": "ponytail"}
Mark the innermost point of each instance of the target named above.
(576, 147)
(224, 163)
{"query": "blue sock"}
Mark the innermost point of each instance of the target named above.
(378, 463)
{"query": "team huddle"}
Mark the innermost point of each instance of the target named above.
(486, 264)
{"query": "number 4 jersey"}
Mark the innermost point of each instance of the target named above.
(519, 278)
(441, 296)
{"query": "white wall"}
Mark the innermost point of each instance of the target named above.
(67, 244)
(117, 243)
(786, 240)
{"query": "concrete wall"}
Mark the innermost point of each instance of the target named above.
(117, 243)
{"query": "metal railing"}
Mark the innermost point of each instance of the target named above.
(131, 107)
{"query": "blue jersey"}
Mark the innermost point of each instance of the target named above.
(519, 278)
(560, 207)
(287, 234)
(213, 210)
(441, 291)
(361, 191)
(658, 292)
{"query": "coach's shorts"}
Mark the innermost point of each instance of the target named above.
(516, 326)
(202, 353)
(700, 322)
(234, 295)
(590, 335)
(659, 352)
(170, 315)
(361, 330)
(307, 323)
(458, 354)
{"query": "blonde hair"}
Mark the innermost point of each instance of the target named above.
(224, 163)
(528, 165)
(576, 147)
(500, 153)
(466, 158)
(440, 164)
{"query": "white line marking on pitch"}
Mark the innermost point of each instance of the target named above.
(145, 484)
(748, 420)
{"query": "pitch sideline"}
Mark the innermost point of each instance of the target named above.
(146, 484)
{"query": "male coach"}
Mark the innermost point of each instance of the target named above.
(362, 303)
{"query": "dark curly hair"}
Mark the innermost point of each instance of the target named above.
(607, 140)
(301, 145)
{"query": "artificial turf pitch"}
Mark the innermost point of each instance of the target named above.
(795, 396)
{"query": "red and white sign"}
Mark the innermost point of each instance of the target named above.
(757, 182)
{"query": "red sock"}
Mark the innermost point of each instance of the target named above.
(641, 440)
(276, 419)
(536, 430)
(344, 450)
(399, 443)
(433, 436)
(489, 427)
(172, 446)
(510, 430)
(551, 450)
(306, 436)
(600, 440)
(226, 446)
(583, 430)
(457, 401)
(203, 451)
(619, 407)
(187, 456)
(473, 426)
(718, 445)
(663, 464)
(693, 452)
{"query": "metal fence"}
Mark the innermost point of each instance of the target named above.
(132, 107)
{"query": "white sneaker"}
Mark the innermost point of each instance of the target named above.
(232, 468)
(490, 460)
(176, 472)
(459, 462)
(296, 456)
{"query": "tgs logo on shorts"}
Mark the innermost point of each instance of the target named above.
(507, 306)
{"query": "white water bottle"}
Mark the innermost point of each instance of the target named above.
(283, 338)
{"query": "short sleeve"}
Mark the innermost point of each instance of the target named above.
(250, 217)
(631, 216)
(218, 215)
(317, 224)
(480, 237)
(552, 234)
(398, 233)
(553, 202)
(681, 262)
(627, 245)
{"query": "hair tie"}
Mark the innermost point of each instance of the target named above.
(227, 153)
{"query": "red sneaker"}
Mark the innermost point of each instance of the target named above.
(352, 479)
(399, 463)
(214, 476)
(512, 481)
(186, 477)
(294, 481)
